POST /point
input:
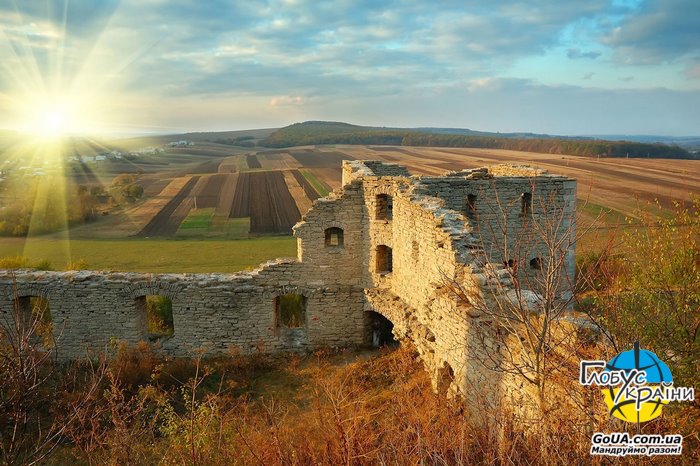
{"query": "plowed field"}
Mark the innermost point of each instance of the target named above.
(165, 223)
(208, 190)
(252, 161)
(265, 198)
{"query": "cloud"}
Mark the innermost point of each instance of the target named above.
(578, 53)
(286, 100)
(658, 31)
(316, 59)
(523, 105)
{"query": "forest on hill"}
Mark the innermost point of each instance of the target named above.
(315, 132)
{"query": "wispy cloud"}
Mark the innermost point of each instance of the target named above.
(306, 59)
(578, 53)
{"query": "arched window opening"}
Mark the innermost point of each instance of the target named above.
(511, 264)
(471, 206)
(415, 251)
(158, 310)
(290, 310)
(379, 330)
(385, 207)
(525, 204)
(536, 263)
(334, 237)
(384, 260)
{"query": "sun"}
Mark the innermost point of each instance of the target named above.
(55, 116)
(53, 122)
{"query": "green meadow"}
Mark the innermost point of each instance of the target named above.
(146, 255)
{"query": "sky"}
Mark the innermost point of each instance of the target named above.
(546, 66)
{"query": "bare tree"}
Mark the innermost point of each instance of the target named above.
(30, 374)
(522, 303)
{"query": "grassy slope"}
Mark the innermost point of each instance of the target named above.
(157, 255)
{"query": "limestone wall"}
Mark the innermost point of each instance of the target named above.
(210, 311)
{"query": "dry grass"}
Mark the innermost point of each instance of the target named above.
(326, 408)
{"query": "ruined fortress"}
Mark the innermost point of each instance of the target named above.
(384, 253)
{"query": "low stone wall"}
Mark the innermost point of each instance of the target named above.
(214, 312)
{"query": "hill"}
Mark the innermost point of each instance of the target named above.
(320, 132)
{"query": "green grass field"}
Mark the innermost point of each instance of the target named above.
(203, 223)
(601, 213)
(153, 255)
(199, 219)
(320, 188)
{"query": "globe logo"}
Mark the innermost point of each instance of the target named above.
(634, 402)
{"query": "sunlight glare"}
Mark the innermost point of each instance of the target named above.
(54, 122)
(54, 117)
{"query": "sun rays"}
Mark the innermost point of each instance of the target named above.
(56, 86)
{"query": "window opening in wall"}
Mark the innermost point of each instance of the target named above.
(159, 315)
(510, 263)
(415, 251)
(525, 204)
(35, 313)
(471, 206)
(536, 263)
(384, 263)
(379, 330)
(290, 310)
(385, 207)
(334, 237)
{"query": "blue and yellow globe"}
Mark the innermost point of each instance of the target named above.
(656, 372)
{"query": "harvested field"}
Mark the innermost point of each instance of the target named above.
(277, 161)
(233, 164)
(329, 177)
(227, 194)
(167, 221)
(303, 194)
(210, 166)
(252, 161)
(152, 186)
(265, 198)
(320, 159)
(618, 184)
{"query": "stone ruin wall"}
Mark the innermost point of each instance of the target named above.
(433, 243)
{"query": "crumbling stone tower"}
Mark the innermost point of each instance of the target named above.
(378, 255)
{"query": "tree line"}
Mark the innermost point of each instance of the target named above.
(585, 147)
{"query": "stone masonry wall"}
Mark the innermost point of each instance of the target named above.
(210, 311)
